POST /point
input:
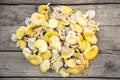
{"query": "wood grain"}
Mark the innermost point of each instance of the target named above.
(57, 1)
(108, 39)
(14, 64)
(15, 15)
(55, 79)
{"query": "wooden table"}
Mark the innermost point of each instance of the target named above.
(107, 64)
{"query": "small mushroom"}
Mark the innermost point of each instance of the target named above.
(89, 35)
(67, 54)
(35, 59)
(41, 45)
(63, 72)
(91, 52)
(13, 38)
(81, 19)
(20, 32)
(21, 43)
(27, 52)
(45, 65)
(90, 14)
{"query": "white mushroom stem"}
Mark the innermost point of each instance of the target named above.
(57, 65)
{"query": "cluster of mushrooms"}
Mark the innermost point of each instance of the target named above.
(58, 38)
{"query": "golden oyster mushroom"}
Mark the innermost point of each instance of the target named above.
(76, 70)
(80, 57)
(54, 42)
(38, 19)
(35, 59)
(83, 43)
(80, 18)
(43, 9)
(57, 65)
(91, 52)
(90, 36)
(30, 28)
(53, 23)
(46, 55)
(45, 65)
(49, 34)
(20, 32)
(94, 27)
(76, 27)
(68, 54)
(63, 72)
(22, 44)
(71, 39)
(41, 45)
(66, 10)
(27, 52)
(70, 62)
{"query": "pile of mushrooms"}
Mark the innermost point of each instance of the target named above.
(58, 38)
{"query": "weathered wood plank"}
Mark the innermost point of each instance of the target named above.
(57, 1)
(108, 39)
(14, 15)
(55, 79)
(14, 64)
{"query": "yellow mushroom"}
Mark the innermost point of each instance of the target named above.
(27, 52)
(90, 36)
(45, 65)
(35, 59)
(43, 9)
(76, 27)
(67, 54)
(71, 39)
(46, 55)
(38, 19)
(66, 10)
(53, 23)
(70, 62)
(63, 72)
(41, 45)
(76, 70)
(54, 42)
(30, 28)
(83, 43)
(49, 34)
(80, 18)
(80, 57)
(94, 27)
(91, 52)
(21, 43)
(20, 32)
(56, 64)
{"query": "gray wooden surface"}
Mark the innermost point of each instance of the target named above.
(105, 66)
(57, 1)
(55, 79)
